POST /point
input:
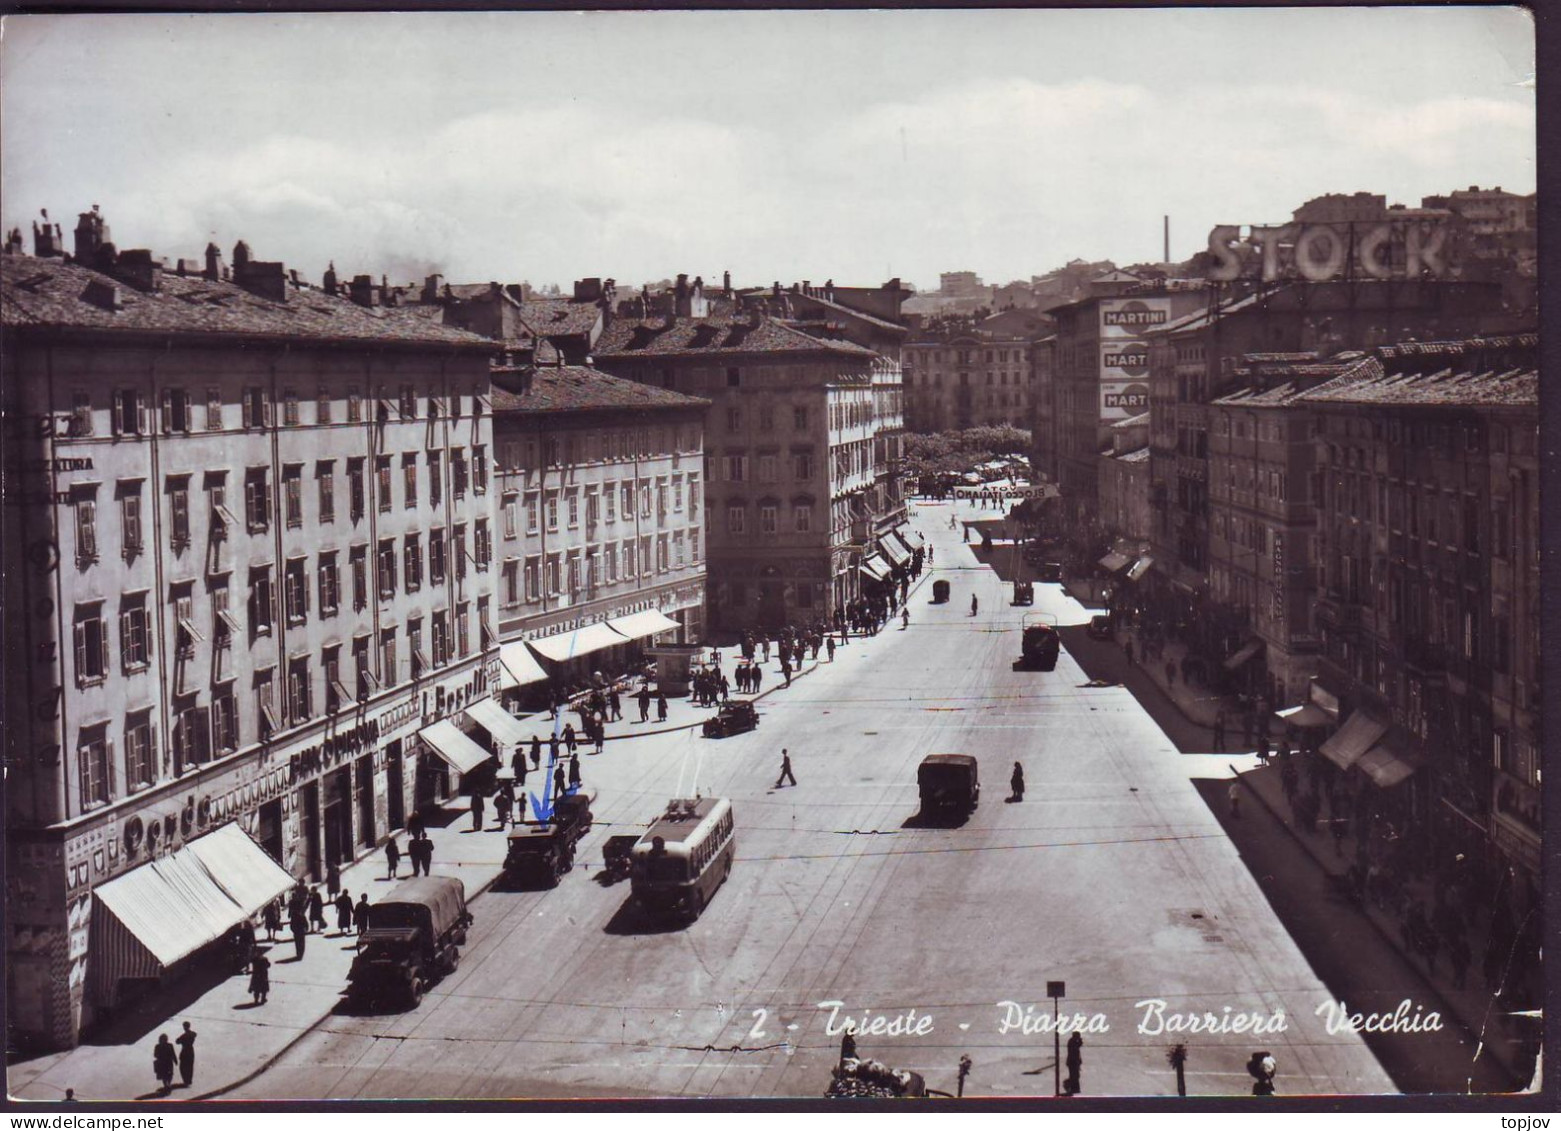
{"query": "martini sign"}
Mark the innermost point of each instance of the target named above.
(1124, 353)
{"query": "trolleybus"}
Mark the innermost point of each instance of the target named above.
(684, 856)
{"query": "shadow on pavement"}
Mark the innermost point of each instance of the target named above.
(631, 919)
(924, 820)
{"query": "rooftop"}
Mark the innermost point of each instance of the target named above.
(572, 388)
(552, 317)
(1479, 372)
(50, 293)
(725, 335)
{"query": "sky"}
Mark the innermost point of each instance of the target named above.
(779, 145)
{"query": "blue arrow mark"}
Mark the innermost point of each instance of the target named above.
(542, 808)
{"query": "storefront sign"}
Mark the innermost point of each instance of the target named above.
(1390, 249)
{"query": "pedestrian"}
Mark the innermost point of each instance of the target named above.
(552, 749)
(392, 859)
(569, 738)
(905, 619)
(162, 1064)
(785, 770)
(758, 679)
(478, 808)
(427, 850)
(1170, 673)
(536, 752)
(344, 905)
(661, 706)
(615, 702)
(246, 945)
(574, 774)
(559, 784)
(1233, 795)
(316, 910)
(332, 879)
(786, 670)
(1219, 730)
(829, 646)
(360, 916)
(974, 604)
(1075, 1064)
(272, 918)
(186, 1043)
(503, 802)
(1016, 782)
(300, 928)
(259, 978)
(415, 826)
(644, 698)
(1127, 650)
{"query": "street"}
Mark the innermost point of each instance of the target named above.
(1112, 875)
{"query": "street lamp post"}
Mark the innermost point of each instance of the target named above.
(1056, 991)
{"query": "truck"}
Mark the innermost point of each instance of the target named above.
(413, 938)
(949, 784)
(1040, 645)
(541, 852)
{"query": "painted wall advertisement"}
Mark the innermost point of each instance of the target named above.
(1124, 353)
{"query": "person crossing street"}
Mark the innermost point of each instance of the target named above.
(785, 770)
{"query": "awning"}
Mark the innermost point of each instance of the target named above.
(1358, 734)
(637, 626)
(1305, 715)
(1114, 561)
(452, 744)
(894, 551)
(518, 665)
(1384, 767)
(1140, 567)
(167, 909)
(504, 726)
(912, 540)
(1243, 654)
(577, 642)
(875, 567)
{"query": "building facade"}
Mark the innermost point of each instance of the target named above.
(258, 564)
(958, 377)
(789, 457)
(601, 497)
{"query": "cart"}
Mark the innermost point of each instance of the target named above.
(615, 855)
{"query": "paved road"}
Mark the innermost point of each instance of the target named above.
(1112, 874)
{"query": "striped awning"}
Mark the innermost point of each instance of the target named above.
(648, 622)
(454, 745)
(498, 722)
(1358, 735)
(875, 567)
(894, 551)
(583, 641)
(167, 909)
(1114, 561)
(1384, 767)
(912, 540)
(518, 666)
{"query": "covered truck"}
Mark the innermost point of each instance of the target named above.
(542, 851)
(949, 784)
(414, 938)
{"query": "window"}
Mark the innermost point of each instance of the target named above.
(693, 497)
(293, 495)
(86, 529)
(458, 550)
(574, 572)
(386, 562)
(802, 465)
(766, 419)
(257, 408)
(533, 578)
(768, 522)
(290, 406)
(552, 510)
(330, 584)
(213, 410)
(91, 638)
(408, 402)
(463, 626)
(574, 508)
(554, 575)
(325, 477)
(185, 633)
(435, 479)
(736, 468)
(484, 543)
(224, 719)
(441, 637)
(645, 556)
(628, 561)
(322, 406)
(134, 643)
(261, 607)
(799, 419)
(736, 519)
(677, 492)
(610, 562)
(140, 768)
(733, 377)
(335, 691)
(734, 420)
(458, 472)
(265, 703)
(176, 412)
(409, 480)
(356, 502)
(593, 507)
(382, 483)
(484, 627)
(412, 562)
(626, 499)
(388, 670)
(532, 501)
(129, 418)
(359, 564)
(296, 587)
(511, 583)
(511, 511)
(479, 467)
(693, 544)
(223, 626)
(661, 553)
(299, 701)
(354, 405)
(92, 761)
(436, 554)
(80, 414)
(420, 664)
(801, 518)
(179, 511)
(257, 500)
(767, 469)
(362, 666)
(661, 498)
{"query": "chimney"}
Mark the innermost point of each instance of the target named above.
(138, 268)
(329, 282)
(431, 287)
(807, 288)
(102, 295)
(266, 280)
(188, 267)
(682, 304)
(726, 283)
(213, 270)
(240, 258)
(588, 290)
(362, 291)
(91, 233)
(47, 240)
(13, 242)
(829, 290)
(775, 288)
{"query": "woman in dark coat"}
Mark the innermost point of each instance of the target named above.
(344, 910)
(1017, 782)
(260, 978)
(272, 917)
(163, 1059)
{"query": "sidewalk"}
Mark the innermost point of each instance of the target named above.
(239, 1040)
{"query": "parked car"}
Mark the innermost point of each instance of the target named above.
(1099, 627)
(733, 718)
(538, 852)
(414, 938)
(1024, 593)
(1051, 571)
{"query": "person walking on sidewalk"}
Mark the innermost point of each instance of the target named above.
(1262, 747)
(1219, 730)
(829, 646)
(162, 1064)
(426, 850)
(503, 802)
(392, 859)
(536, 752)
(259, 979)
(644, 698)
(1234, 797)
(785, 770)
(1016, 783)
(186, 1043)
(786, 669)
(661, 706)
(478, 809)
(974, 604)
(574, 773)
(360, 916)
(559, 784)
(272, 918)
(569, 738)
(332, 879)
(316, 910)
(300, 928)
(344, 905)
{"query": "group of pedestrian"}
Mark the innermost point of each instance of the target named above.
(711, 685)
(644, 699)
(750, 676)
(164, 1058)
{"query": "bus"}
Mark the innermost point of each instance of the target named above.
(1040, 645)
(684, 856)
